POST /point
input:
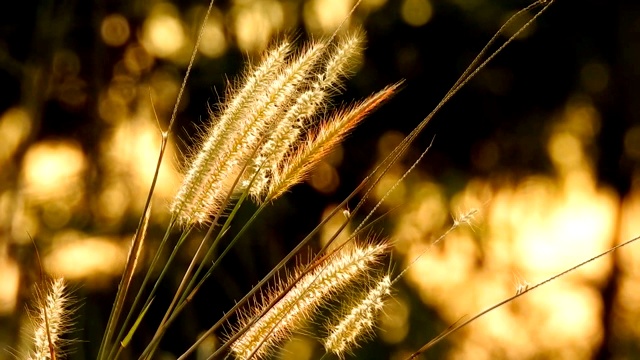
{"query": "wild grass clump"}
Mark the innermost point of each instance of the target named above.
(275, 125)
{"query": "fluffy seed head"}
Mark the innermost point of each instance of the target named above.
(357, 322)
(51, 318)
(304, 298)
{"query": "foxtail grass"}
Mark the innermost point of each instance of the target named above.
(51, 319)
(276, 124)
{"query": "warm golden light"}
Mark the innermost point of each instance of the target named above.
(324, 178)
(53, 169)
(137, 59)
(115, 30)
(416, 12)
(530, 230)
(163, 34)
(255, 23)
(75, 256)
(15, 126)
(324, 16)
(9, 282)
(214, 41)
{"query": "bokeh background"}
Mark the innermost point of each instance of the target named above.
(545, 143)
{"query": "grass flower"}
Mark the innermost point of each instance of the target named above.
(264, 141)
(51, 319)
(357, 321)
(303, 299)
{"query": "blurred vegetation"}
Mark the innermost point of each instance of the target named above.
(545, 142)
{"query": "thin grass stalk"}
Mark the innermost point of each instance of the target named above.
(176, 307)
(165, 135)
(146, 280)
(194, 289)
(130, 268)
(517, 295)
(131, 261)
(287, 258)
(182, 291)
(363, 184)
(313, 292)
(392, 157)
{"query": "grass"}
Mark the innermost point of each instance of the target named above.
(273, 128)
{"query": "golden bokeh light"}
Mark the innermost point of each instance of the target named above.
(15, 127)
(324, 178)
(9, 283)
(53, 169)
(76, 256)
(255, 22)
(297, 348)
(324, 16)
(416, 12)
(530, 230)
(130, 155)
(332, 225)
(137, 59)
(115, 30)
(393, 323)
(214, 40)
(163, 32)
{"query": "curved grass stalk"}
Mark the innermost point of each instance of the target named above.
(519, 293)
(129, 266)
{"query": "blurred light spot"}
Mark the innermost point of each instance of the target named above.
(324, 178)
(388, 141)
(571, 313)
(581, 118)
(112, 203)
(565, 150)
(385, 190)
(255, 22)
(72, 91)
(331, 226)
(9, 284)
(65, 63)
(594, 76)
(136, 59)
(53, 169)
(164, 90)
(416, 12)
(74, 256)
(324, 16)
(632, 142)
(130, 156)
(207, 347)
(123, 89)
(496, 80)
(297, 348)
(111, 109)
(214, 41)
(394, 320)
(163, 34)
(115, 30)
(15, 126)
